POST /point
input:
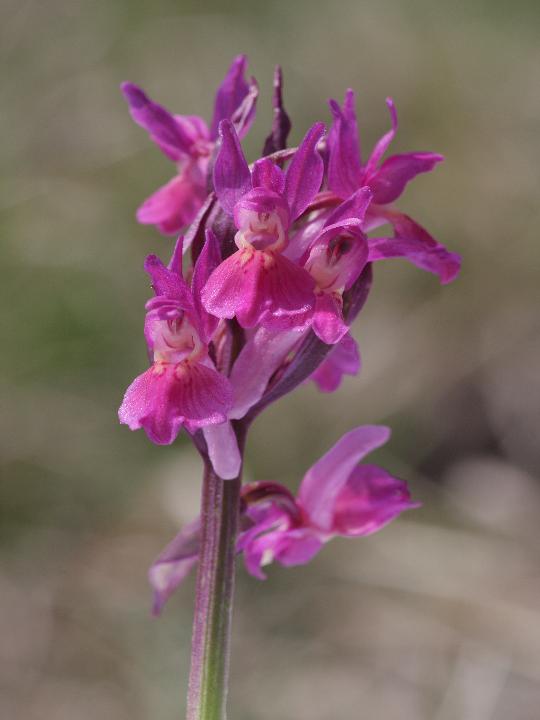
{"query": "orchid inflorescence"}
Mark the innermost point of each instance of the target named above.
(272, 267)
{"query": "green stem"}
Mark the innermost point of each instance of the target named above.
(207, 694)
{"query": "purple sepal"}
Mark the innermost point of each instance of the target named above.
(323, 481)
(231, 94)
(168, 283)
(232, 178)
(390, 179)
(304, 174)
(344, 164)
(413, 243)
(159, 122)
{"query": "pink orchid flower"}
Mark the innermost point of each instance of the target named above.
(188, 142)
(182, 387)
(337, 497)
(258, 284)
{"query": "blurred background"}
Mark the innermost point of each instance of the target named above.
(438, 616)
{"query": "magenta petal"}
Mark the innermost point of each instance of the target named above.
(208, 260)
(328, 322)
(205, 396)
(370, 499)
(174, 205)
(259, 287)
(344, 168)
(344, 359)
(382, 145)
(230, 93)
(269, 176)
(168, 283)
(158, 121)
(232, 178)
(174, 564)
(437, 260)
(168, 396)
(234, 287)
(150, 403)
(324, 481)
(416, 245)
(258, 360)
(223, 450)
(389, 181)
(304, 174)
(289, 290)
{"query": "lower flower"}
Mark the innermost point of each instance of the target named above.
(337, 497)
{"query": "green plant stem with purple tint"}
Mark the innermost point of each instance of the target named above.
(207, 694)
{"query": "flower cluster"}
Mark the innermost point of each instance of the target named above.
(272, 267)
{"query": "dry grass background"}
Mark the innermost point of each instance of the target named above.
(437, 617)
